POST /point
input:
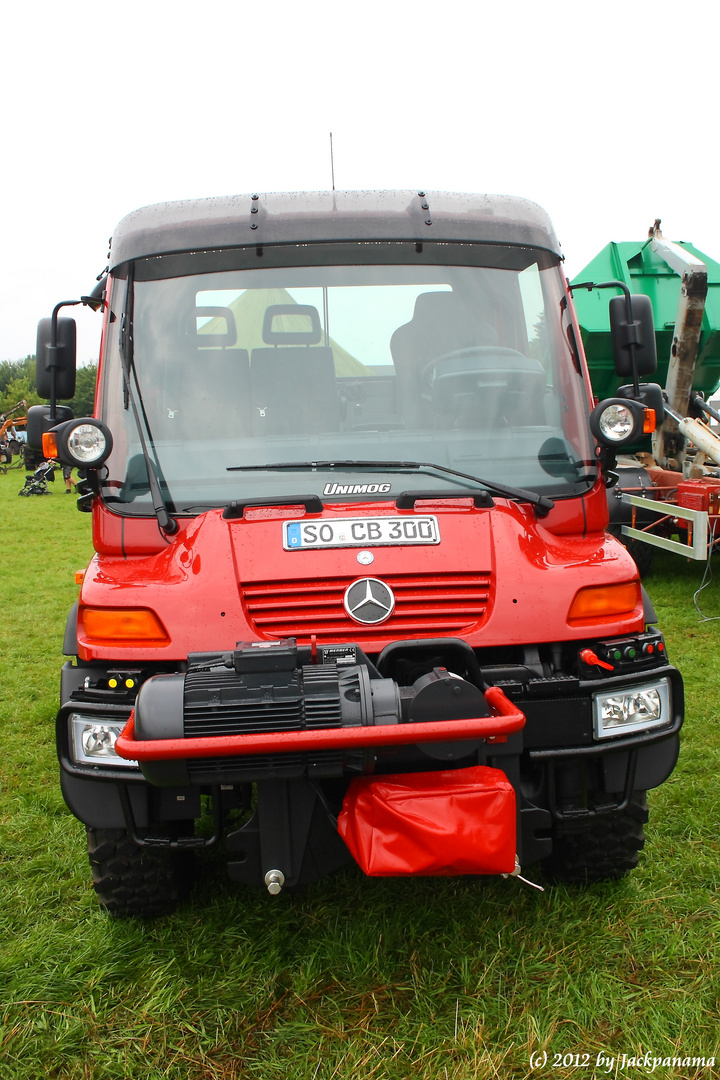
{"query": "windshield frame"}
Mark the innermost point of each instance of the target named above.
(314, 257)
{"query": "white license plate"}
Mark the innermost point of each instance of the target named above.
(360, 532)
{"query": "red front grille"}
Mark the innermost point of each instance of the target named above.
(425, 605)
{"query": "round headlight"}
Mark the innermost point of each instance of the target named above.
(616, 423)
(87, 444)
(84, 443)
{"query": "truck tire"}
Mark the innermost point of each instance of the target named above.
(136, 881)
(641, 552)
(600, 848)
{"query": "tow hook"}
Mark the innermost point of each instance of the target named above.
(274, 879)
(516, 874)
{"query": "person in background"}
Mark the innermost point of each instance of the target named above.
(68, 478)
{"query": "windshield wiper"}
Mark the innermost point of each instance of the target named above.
(541, 503)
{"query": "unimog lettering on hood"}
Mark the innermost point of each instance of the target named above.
(356, 489)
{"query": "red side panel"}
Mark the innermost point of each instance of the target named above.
(459, 821)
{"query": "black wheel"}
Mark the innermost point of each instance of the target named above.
(600, 848)
(642, 554)
(137, 881)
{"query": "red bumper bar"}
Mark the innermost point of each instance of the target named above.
(506, 722)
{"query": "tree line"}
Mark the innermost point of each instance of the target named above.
(17, 383)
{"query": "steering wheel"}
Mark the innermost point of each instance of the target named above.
(465, 361)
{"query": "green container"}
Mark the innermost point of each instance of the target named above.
(645, 272)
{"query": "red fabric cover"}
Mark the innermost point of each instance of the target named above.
(458, 821)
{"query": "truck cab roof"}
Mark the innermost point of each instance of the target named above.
(253, 220)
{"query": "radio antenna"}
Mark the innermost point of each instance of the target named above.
(332, 163)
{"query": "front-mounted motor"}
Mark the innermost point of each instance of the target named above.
(274, 711)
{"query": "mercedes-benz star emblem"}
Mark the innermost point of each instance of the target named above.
(369, 601)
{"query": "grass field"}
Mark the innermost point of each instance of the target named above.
(438, 979)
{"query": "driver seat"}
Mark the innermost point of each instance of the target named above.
(442, 323)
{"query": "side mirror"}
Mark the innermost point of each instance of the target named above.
(56, 362)
(651, 396)
(633, 337)
(40, 420)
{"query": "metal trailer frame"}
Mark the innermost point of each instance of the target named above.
(698, 545)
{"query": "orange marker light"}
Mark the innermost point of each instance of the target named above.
(49, 445)
(649, 421)
(598, 603)
(123, 626)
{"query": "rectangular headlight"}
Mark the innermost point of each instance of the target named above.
(634, 708)
(92, 739)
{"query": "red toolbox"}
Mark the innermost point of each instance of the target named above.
(700, 494)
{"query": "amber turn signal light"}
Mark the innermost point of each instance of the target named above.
(600, 602)
(49, 445)
(126, 626)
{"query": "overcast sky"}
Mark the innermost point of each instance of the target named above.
(605, 114)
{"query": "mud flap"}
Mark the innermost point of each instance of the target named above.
(459, 821)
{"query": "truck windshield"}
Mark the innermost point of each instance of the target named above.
(238, 371)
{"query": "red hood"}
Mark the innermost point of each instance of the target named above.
(497, 577)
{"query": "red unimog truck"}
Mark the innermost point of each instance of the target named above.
(352, 596)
